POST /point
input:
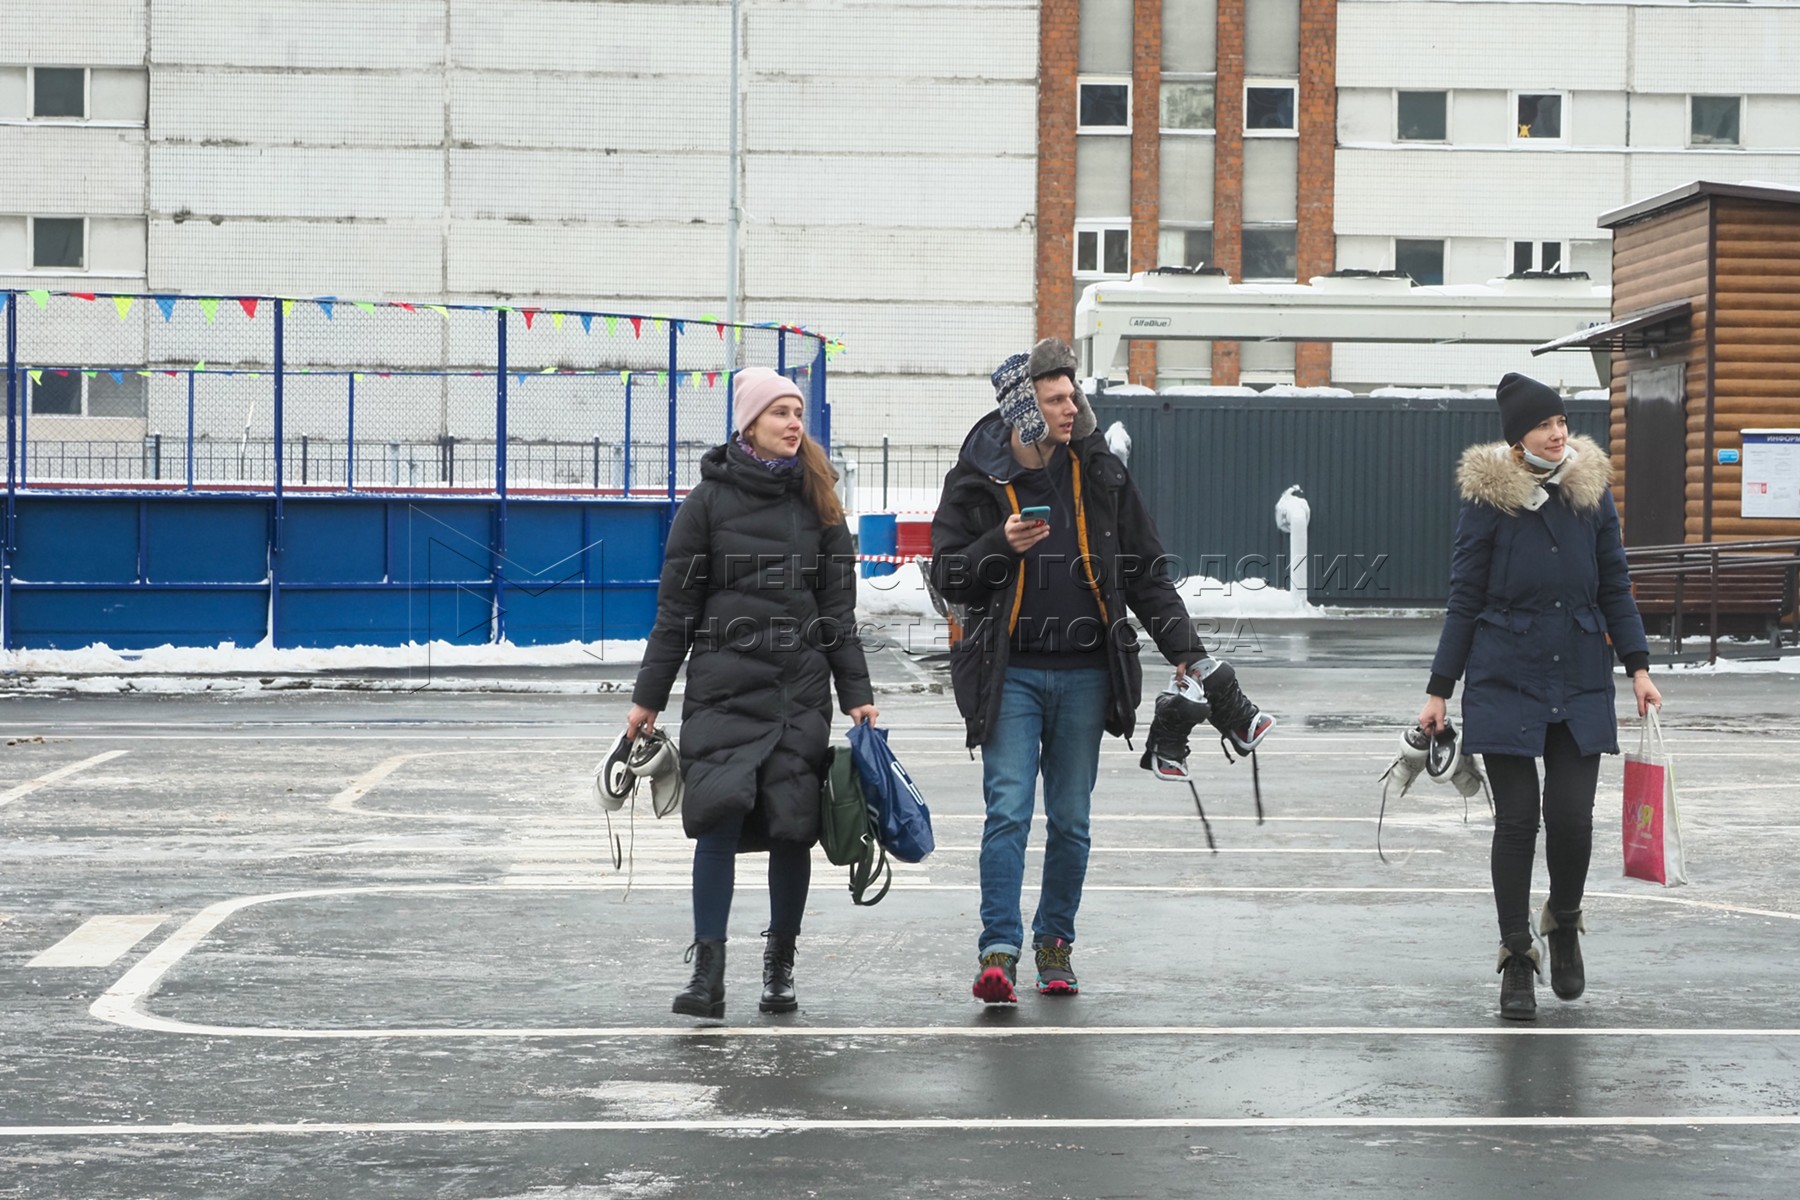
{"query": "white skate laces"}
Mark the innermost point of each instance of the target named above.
(651, 756)
(1438, 756)
(654, 757)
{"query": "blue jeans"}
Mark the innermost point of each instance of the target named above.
(1053, 721)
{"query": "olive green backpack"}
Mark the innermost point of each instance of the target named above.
(846, 832)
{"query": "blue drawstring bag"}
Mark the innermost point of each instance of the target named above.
(896, 809)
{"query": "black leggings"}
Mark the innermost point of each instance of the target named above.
(715, 877)
(1568, 807)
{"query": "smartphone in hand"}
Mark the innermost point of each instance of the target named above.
(1037, 512)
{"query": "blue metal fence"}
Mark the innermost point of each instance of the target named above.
(194, 470)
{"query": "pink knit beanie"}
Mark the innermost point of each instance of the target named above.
(753, 389)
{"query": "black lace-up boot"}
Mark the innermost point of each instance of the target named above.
(704, 995)
(1518, 969)
(778, 974)
(1562, 933)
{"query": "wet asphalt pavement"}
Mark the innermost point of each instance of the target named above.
(385, 951)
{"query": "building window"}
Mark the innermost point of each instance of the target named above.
(1538, 116)
(1104, 106)
(1421, 258)
(1271, 255)
(59, 92)
(1714, 120)
(1422, 116)
(1187, 106)
(57, 393)
(1184, 247)
(58, 243)
(1536, 256)
(1103, 250)
(1269, 108)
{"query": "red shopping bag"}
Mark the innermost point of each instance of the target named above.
(1651, 822)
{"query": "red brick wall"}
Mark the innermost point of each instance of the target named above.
(1318, 168)
(1146, 160)
(1059, 59)
(1228, 170)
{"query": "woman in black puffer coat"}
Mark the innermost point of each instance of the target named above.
(759, 584)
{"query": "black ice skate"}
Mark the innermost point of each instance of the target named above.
(1181, 706)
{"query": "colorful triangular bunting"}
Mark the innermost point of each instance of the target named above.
(209, 305)
(123, 304)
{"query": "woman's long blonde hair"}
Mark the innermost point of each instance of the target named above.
(820, 483)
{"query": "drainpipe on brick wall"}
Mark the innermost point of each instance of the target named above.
(1228, 171)
(1317, 182)
(1059, 59)
(1146, 161)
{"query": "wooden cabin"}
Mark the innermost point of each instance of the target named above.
(1704, 343)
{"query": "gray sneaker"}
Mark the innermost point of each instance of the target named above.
(1055, 977)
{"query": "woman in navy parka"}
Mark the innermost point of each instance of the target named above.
(1537, 584)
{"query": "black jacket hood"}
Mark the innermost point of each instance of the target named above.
(988, 449)
(729, 464)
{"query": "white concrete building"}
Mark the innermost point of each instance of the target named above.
(1479, 137)
(560, 151)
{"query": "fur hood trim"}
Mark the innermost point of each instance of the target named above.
(1488, 475)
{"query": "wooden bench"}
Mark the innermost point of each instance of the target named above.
(1755, 594)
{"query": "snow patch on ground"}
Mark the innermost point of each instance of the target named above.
(903, 594)
(1735, 666)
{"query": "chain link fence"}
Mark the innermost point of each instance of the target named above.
(268, 394)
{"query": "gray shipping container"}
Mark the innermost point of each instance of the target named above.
(1378, 473)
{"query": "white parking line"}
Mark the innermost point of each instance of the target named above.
(25, 789)
(754, 1124)
(99, 941)
(123, 1003)
(345, 801)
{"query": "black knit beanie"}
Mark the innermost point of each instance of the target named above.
(1524, 405)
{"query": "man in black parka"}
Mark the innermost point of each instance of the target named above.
(1044, 659)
